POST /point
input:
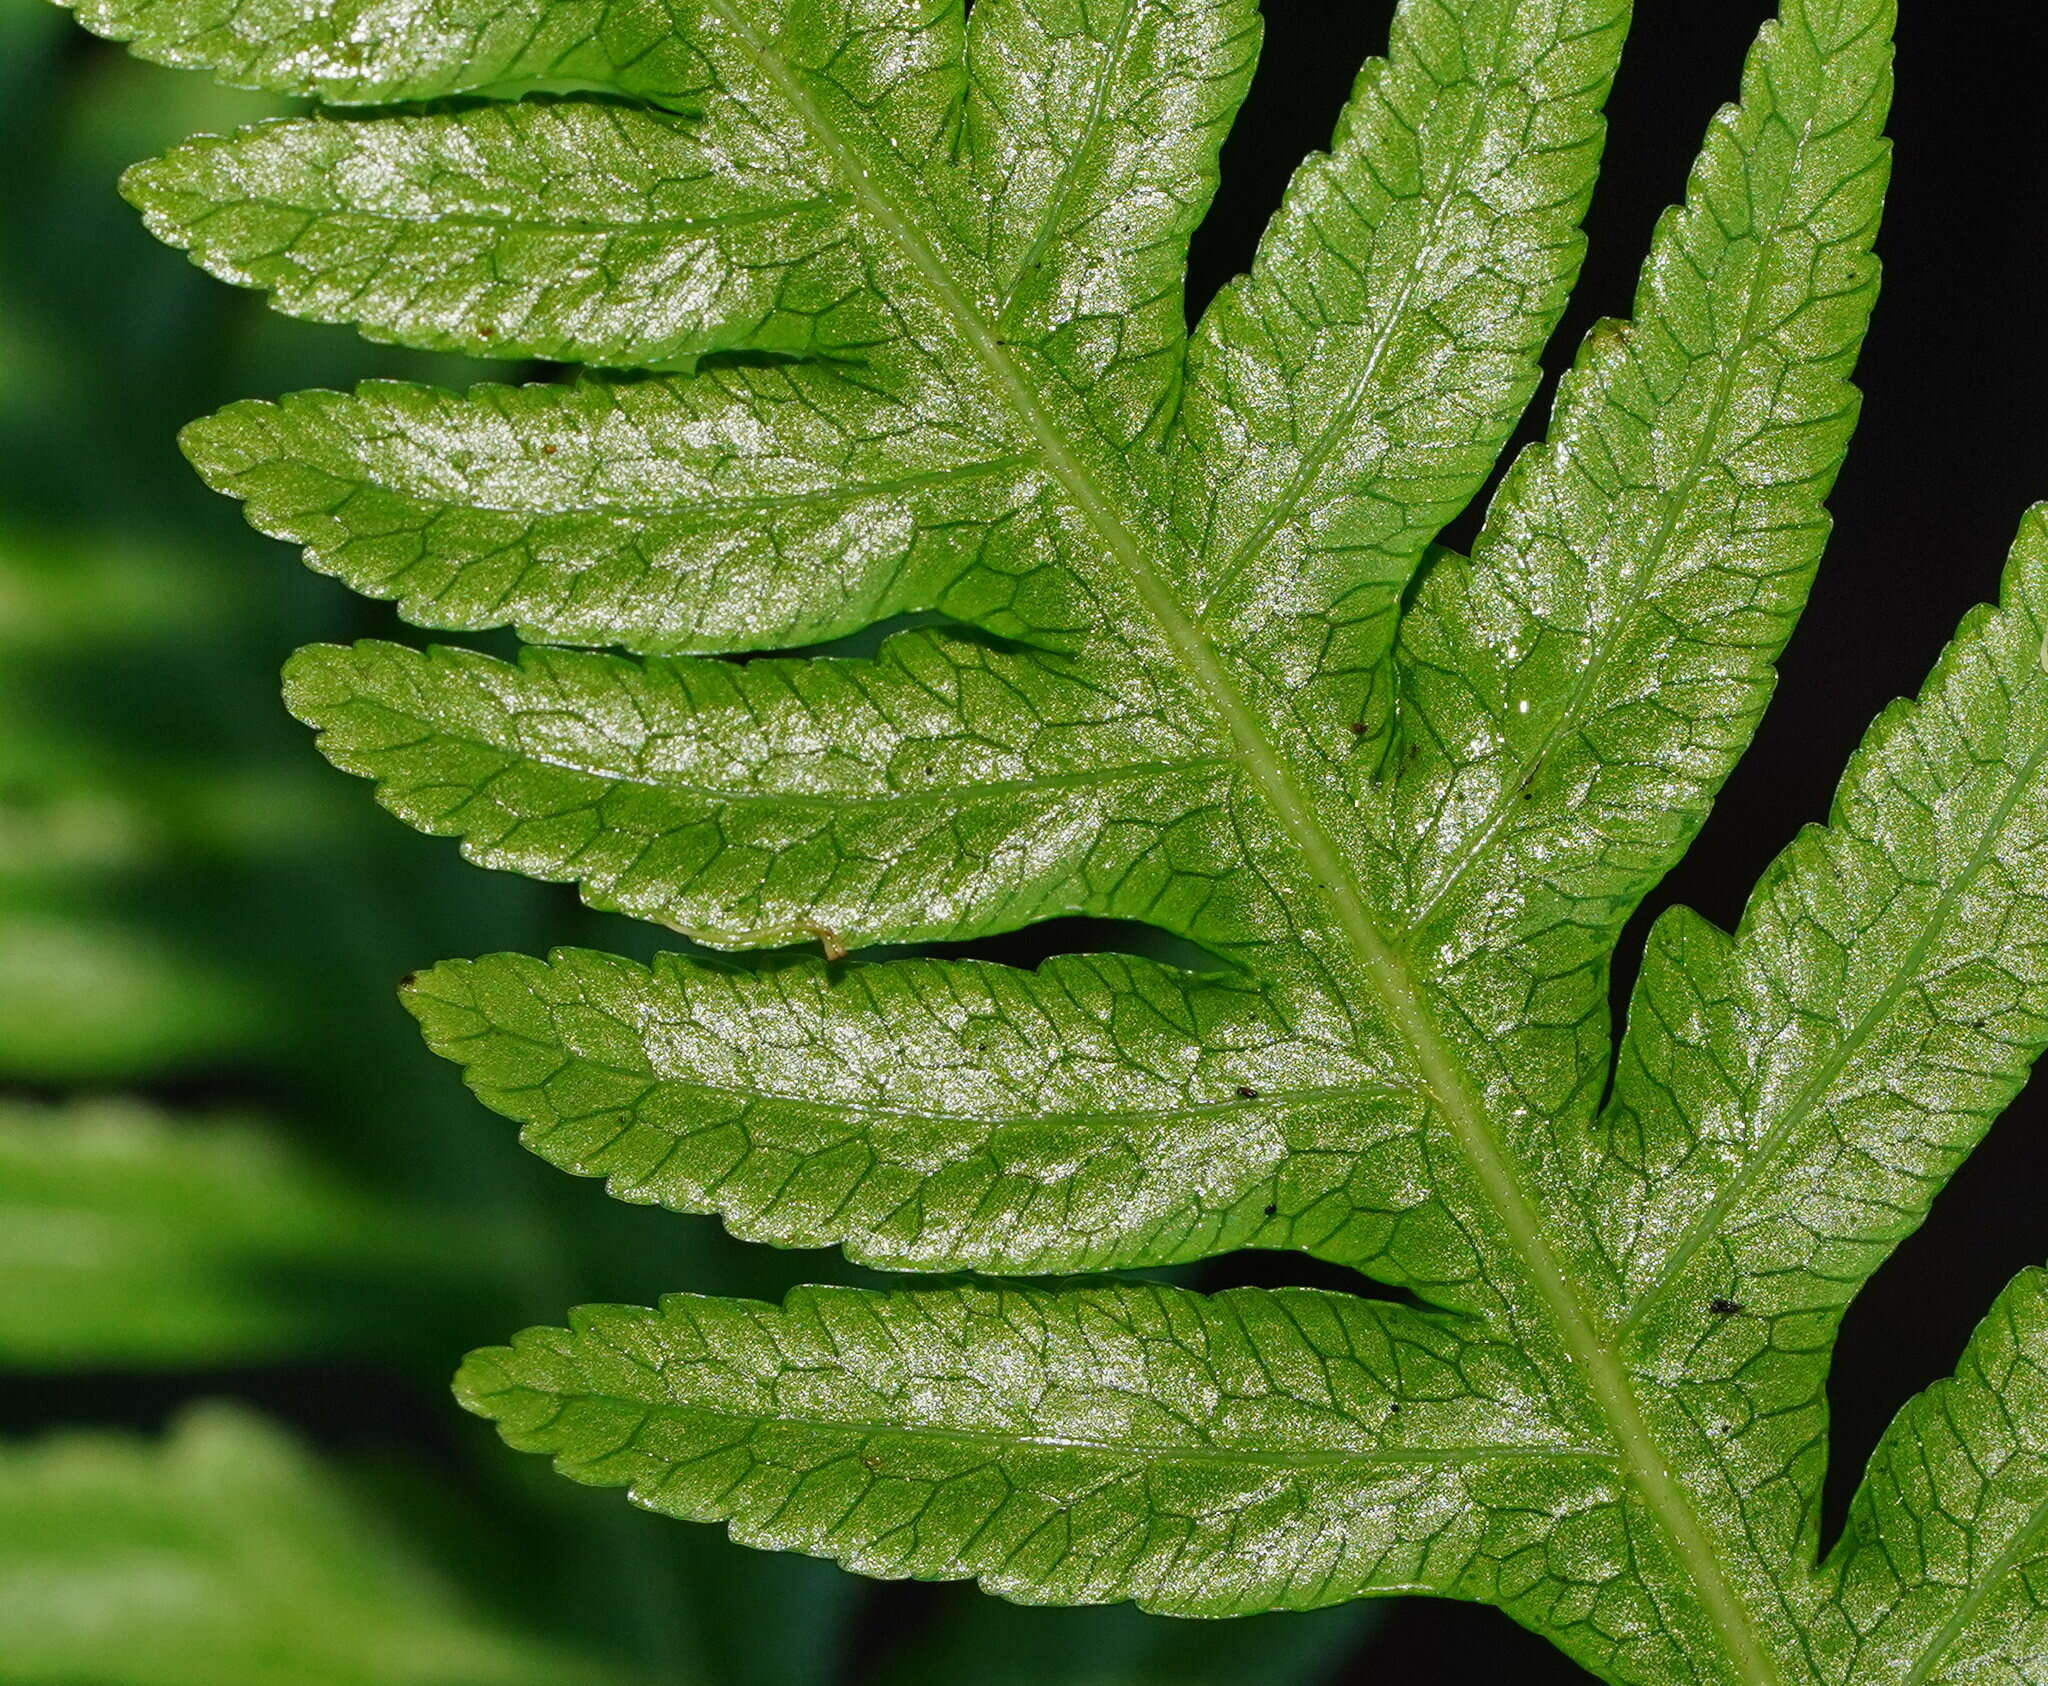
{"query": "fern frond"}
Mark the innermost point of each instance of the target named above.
(880, 303)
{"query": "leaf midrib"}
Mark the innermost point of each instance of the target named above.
(709, 505)
(1307, 1458)
(1270, 1100)
(959, 793)
(1461, 1110)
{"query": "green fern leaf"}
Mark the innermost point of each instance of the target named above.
(574, 230)
(1072, 1446)
(1932, 1579)
(660, 515)
(882, 307)
(1100, 1111)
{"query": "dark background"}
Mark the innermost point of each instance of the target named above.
(127, 343)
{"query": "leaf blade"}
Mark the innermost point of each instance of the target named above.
(1092, 135)
(670, 516)
(941, 790)
(1349, 395)
(571, 229)
(1099, 1113)
(668, 1403)
(1739, 351)
(363, 52)
(1899, 934)
(1931, 1574)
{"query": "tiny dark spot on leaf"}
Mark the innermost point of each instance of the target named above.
(1359, 728)
(1245, 1092)
(1721, 1306)
(1394, 1407)
(548, 450)
(408, 980)
(1271, 1209)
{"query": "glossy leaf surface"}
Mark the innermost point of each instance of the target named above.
(879, 307)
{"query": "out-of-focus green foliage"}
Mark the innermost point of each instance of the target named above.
(95, 983)
(223, 1555)
(129, 1236)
